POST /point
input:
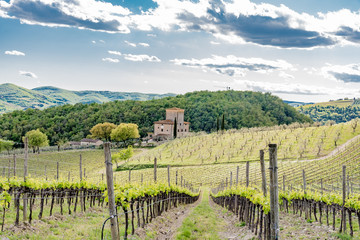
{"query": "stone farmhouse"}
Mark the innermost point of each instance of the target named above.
(164, 129)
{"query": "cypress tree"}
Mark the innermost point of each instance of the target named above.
(223, 123)
(175, 128)
(217, 124)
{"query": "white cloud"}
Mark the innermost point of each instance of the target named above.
(115, 53)
(345, 73)
(144, 44)
(286, 75)
(141, 58)
(294, 88)
(14, 53)
(151, 35)
(130, 43)
(28, 74)
(93, 41)
(214, 43)
(111, 60)
(232, 65)
(82, 14)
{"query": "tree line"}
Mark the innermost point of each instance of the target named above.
(74, 122)
(331, 113)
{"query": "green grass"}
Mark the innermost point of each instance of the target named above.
(202, 222)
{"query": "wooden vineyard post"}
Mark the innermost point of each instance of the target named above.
(26, 149)
(304, 181)
(9, 169)
(237, 175)
(168, 174)
(176, 178)
(142, 178)
(321, 185)
(343, 213)
(263, 174)
(80, 167)
(45, 174)
(274, 193)
(111, 195)
(14, 165)
(69, 176)
(284, 182)
(84, 173)
(247, 173)
(231, 181)
(130, 176)
(57, 171)
(155, 168)
(181, 181)
(226, 183)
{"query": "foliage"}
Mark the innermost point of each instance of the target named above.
(73, 122)
(37, 139)
(335, 113)
(123, 154)
(124, 132)
(102, 130)
(6, 145)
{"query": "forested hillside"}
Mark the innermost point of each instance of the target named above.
(73, 122)
(13, 97)
(338, 114)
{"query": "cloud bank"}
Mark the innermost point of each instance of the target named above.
(237, 21)
(232, 65)
(345, 73)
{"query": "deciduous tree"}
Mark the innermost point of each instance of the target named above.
(102, 130)
(125, 132)
(37, 139)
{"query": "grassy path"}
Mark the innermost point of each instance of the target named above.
(202, 222)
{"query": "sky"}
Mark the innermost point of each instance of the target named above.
(298, 50)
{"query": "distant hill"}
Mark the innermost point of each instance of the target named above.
(341, 110)
(13, 97)
(296, 104)
(73, 122)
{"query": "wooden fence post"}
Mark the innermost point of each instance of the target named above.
(14, 165)
(168, 172)
(274, 193)
(304, 181)
(284, 182)
(129, 175)
(231, 179)
(343, 212)
(247, 173)
(155, 168)
(9, 169)
(181, 181)
(57, 171)
(80, 167)
(176, 178)
(237, 175)
(26, 149)
(45, 174)
(110, 190)
(263, 174)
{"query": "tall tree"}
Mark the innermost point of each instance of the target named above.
(217, 124)
(37, 139)
(175, 128)
(125, 132)
(102, 130)
(223, 122)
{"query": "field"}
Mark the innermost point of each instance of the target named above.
(200, 162)
(337, 103)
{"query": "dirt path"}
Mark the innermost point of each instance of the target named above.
(166, 225)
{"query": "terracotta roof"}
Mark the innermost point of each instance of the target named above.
(175, 109)
(165, 122)
(187, 122)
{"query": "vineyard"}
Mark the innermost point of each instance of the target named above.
(64, 187)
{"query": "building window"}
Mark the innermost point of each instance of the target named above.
(178, 130)
(181, 130)
(185, 130)
(162, 130)
(180, 124)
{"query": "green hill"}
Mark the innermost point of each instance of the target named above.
(73, 122)
(13, 97)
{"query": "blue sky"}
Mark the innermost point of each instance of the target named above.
(298, 50)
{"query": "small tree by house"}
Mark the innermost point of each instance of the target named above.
(37, 139)
(102, 130)
(6, 145)
(122, 155)
(125, 132)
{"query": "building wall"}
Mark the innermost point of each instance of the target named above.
(163, 129)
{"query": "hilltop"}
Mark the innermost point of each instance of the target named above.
(73, 122)
(13, 97)
(342, 110)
